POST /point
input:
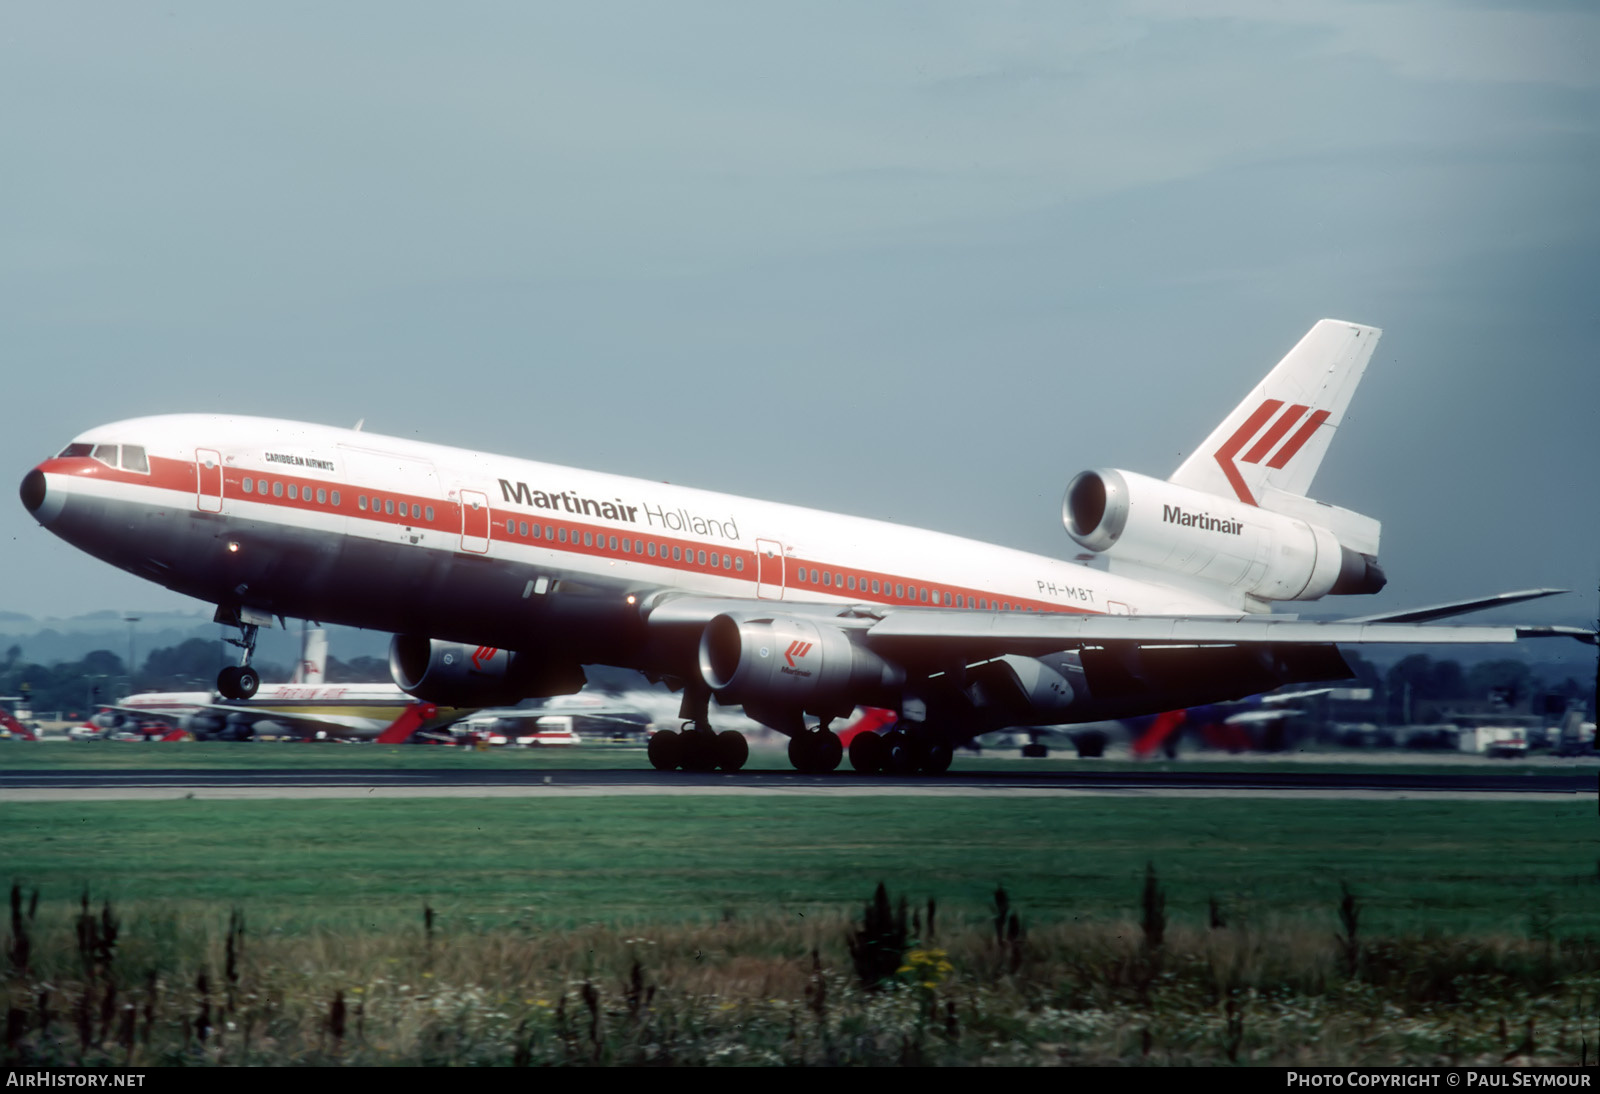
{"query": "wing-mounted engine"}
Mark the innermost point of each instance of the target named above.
(452, 674)
(780, 668)
(1144, 524)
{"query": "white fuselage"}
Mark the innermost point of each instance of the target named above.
(337, 525)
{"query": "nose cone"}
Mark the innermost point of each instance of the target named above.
(38, 498)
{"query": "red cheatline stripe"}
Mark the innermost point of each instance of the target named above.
(1286, 453)
(179, 475)
(1241, 436)
(1275, 434)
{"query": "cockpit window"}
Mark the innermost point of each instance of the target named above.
(77, 450)
(133, 459)
(106, 454)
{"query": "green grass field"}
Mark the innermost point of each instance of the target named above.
(1479, 867)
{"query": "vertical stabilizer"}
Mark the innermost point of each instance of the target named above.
(1277, 437)
(313, 666)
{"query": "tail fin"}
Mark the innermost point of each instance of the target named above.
(1276, 438)
(313, 667)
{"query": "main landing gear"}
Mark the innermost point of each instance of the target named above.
(901, 753)
(241, 681)
(698, 747)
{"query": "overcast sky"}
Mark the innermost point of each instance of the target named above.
(915, 261)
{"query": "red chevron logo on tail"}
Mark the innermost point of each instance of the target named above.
(1271, 426)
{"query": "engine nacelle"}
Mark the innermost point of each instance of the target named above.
(1160, 526)
(456, 675)
(782, 667)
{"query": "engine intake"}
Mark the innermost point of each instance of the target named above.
(781, 667)
(457, 675)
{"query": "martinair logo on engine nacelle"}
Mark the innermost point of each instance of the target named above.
(796, 649)
(482, 655)
(1264, 414)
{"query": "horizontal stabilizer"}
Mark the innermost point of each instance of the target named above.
(1455, 607)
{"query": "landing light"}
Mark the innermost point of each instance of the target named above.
(632, 599)
(233, 546)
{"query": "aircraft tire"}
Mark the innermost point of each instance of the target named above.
(828, 750)
(800, 752)
(732, 750)
(899, 758)
(935, 756)
(867, 753)
(1034, 751)
(228, 683)
(248, 681)
(665, 750)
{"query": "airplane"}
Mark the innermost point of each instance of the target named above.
(307, 707)
(501, 577)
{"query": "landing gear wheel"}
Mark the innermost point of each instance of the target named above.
(665, 750)
(867, 753)
(247, 682)
(936, 756)
(815, 751)
(1034, 751)
(228, 683)
(898, 756)
(732, 750)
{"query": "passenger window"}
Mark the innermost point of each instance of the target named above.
(702, 558)
(563, 535)
(726, 561)
(874, 585)
(522, 529)
(827, 579)
(361, 502)
(638, 546)
(715, 564)
(588, 539)
(294, 492)
(816, 579)
(106, 454)
(652, 548)
(675, 554)
(133, 459)
(322, 496)
(802, 575)
(247, 485)
(738, 563)
(627, 546)
(416, 511)
(511, 527)
(961, 601)
(613, 543)
(334, 497)
(900, 591)
(277, 489)
(388, 506)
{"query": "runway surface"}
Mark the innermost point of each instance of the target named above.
(379, 782)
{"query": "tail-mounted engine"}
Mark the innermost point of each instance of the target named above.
(452, 674)
(1155, 525)
(778, 668)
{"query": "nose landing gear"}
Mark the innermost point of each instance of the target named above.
(240, 681)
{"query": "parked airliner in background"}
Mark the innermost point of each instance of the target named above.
(501, 577)
(308, 706)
